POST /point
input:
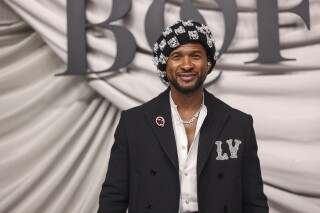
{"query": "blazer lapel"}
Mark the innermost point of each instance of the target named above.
(164, 134)
(210, 130)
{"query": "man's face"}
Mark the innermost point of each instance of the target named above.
(187, 67)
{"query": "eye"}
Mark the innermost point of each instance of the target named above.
(176, 57)
(196, 56)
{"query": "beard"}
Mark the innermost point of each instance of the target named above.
(187, 89)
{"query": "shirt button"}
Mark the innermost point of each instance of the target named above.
(225, 209)
(185, 174)
(187, 201)
(148, 205)
(153, 172)
(220, 175)
(183, 147)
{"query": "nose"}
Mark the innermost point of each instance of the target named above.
(186, 64)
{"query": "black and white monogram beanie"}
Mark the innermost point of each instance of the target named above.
(182, 32)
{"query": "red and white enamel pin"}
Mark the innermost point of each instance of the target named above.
(160, 121)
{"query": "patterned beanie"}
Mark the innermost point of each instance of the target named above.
(182, 32)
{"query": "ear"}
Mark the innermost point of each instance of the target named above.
(209, 64)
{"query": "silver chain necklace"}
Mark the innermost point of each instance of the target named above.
(194, 117)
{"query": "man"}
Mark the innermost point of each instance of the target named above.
(185, 150)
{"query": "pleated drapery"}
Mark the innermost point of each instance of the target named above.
(56, 131)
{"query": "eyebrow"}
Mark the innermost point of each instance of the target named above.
(192, 52)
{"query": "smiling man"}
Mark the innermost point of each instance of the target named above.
(189, 64)
(184, 151)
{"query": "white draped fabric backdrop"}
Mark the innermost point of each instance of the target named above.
(56, 132)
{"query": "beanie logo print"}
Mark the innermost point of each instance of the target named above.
(173, 43)
(193, 35)
(162, 44)
(167, 32)
(163, 59)
(179, 30)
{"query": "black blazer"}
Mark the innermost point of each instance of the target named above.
(143, 170)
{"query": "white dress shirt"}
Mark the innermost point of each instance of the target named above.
(187, 160)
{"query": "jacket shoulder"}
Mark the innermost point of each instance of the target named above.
(231, 111)
(234, 111)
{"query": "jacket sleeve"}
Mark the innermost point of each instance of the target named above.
(114, 195)
(254, 199)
